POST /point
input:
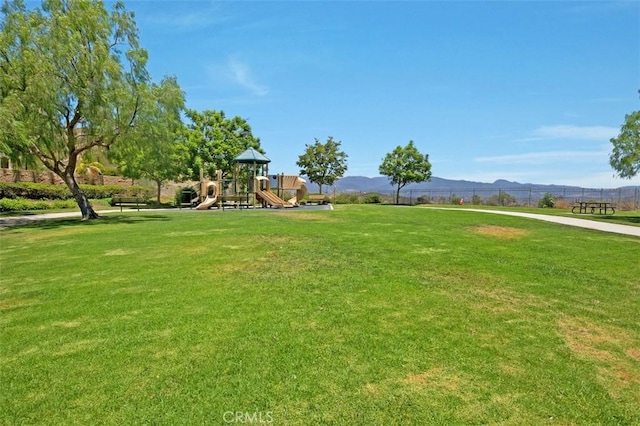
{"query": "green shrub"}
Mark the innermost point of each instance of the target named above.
(108, 191)
(41, 191)
(547, 201)
(502, 199)
(372, 199)
(110, 172)
(64, 204)
(22, 204)
(34, 191)
(347, 198)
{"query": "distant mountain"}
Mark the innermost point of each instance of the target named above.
(381, 184)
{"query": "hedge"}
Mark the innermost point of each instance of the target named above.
(42, 191)
(21, 204)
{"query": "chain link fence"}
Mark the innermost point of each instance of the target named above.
(624, 198)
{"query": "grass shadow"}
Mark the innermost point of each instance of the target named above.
(53, 223)
(633, 220)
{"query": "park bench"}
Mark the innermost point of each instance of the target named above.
(128, 201)
(235, 201)
(316, 198)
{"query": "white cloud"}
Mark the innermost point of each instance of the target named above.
(180, 16)
(236, 73)
(576, 132)
(599, 180)
(243, 76)
(544, 157)
(183, 21)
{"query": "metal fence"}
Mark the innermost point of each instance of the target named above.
(624, 198)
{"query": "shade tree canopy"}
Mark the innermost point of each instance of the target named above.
(71, 75)
(155, 146)
(214, 141)
(625, 157)
(323, 163)
(405, 165)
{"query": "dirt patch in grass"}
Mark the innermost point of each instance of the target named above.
(500, 231)
(308, 216)
(86, 345)
(501, 300)
(633, 353)
(16, 302)
(192, 233)
(613, 351)
(67, 324)
(435, 377)
(117, 252)
(52, 236)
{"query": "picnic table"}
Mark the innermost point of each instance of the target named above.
(593, 207)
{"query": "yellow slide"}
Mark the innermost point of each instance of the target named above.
(212, 196)
(271, 199)
(263, 193)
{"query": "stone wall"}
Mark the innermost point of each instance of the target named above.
(168, 189)
(9, 175)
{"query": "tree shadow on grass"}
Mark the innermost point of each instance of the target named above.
(635, 220)
(54, 223)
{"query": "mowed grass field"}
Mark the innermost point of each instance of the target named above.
(375, 315)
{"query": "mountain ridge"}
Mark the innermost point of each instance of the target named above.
(381, 183)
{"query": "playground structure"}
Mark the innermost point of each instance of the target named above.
(284, 183)
(250, 186)
(209, 192)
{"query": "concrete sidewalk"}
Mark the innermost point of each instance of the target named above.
(571, 221)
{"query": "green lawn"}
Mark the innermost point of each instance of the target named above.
(373, 315)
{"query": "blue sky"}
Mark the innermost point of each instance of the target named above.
(528, 91)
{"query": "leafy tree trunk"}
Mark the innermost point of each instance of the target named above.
(159, 183)
(85, 207)
(398, 194)
(72, 76)
(67, 174)
(320, 188)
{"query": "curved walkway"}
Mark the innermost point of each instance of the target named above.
(571, 221)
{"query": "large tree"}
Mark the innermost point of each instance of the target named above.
(323, 163)
(70, 76)
(625, 157)
(155, 146)
(405, 165)
(215, 141)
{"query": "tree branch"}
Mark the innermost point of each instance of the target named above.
(47, 161)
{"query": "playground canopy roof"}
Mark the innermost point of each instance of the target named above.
(251, 156)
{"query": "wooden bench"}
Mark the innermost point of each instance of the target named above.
(128, 201)
(235, 201)
(317, 198)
